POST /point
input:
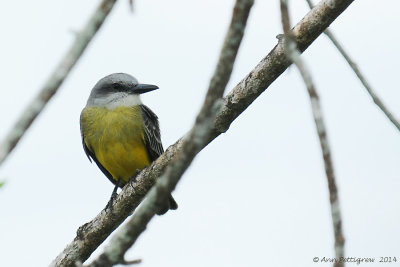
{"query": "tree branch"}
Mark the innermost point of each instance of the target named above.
(92, 234)
(294, 55)
(131, 5)
(360, 76)
(56, 79)
(197, 138)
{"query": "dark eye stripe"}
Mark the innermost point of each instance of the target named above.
(118, 87)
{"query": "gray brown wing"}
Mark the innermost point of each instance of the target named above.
(154, 147)
(152, 134)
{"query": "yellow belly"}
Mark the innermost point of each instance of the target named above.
(116, 137)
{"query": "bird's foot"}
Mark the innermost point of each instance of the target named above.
(133, 177)
(113, 197)
(111, 201)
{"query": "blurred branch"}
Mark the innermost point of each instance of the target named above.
(197, 138)
(56, 79)
(294, 55)
(131, 5)
(360, 76)
(92, 234)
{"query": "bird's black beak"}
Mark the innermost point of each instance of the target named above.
(143, 88)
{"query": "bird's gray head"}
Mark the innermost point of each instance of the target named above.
(118, 89)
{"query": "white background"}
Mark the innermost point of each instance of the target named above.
(257, 195)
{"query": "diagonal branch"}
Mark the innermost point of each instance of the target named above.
(360, 76)
(92, 234)
(197, 138)
(56, 79)
(294, 55)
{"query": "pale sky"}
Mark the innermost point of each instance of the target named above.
(257, 195)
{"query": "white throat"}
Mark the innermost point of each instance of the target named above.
(116, 100)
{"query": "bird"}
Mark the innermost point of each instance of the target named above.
(119, 133)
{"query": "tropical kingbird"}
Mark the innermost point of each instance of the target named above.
(120, 133)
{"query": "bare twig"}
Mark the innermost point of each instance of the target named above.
(93, 233)
(360, 76)
(192, 144)
(131, 5)
(132, 262)
(294, 55)
(56, 79)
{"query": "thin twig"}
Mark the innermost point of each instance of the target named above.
(92, 234)
(360, 76)
(191, 146)
(294, 55)
(56, 79)
(131, 262)
(131, 6)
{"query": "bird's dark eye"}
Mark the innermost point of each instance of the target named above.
(118, 87)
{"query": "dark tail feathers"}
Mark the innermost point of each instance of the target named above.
(170, 205)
